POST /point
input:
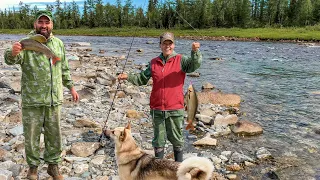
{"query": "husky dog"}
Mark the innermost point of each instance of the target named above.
(135, 164)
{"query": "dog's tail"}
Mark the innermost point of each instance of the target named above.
(195, 168)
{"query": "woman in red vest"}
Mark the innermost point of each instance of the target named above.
(168, 72)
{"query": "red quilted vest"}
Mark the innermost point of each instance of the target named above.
(168, 80)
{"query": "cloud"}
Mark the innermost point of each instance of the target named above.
(41, 4)
(6, 4)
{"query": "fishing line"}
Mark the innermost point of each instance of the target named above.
(185, 20)
(188, 24)
(118, 86)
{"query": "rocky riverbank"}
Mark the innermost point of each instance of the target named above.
(95, 80)
(251, 39)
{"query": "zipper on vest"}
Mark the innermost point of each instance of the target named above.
(163, 65)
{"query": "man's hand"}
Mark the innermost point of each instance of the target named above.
(16, 49)
(123, 76)
(195, 46)
(75, 95)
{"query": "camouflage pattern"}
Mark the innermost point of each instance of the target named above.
(167, 124)
(42, 95)
(41, 82)
(34, 119)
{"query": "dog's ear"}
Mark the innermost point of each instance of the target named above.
(122, 136)
(124, 133)
(128, 125)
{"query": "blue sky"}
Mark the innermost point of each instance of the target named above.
(41, 4)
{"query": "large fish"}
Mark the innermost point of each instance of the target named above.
(191, 104)
(38, 37)
(34, 43)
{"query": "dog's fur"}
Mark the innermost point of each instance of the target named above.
(135, 164)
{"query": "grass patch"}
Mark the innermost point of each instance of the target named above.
(309, 33)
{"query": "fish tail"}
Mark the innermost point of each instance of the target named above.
(55, 59)
(190, 125)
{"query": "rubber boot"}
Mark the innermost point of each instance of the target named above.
(33, 173)
(178, 154)
(53, 171)
(159, 152)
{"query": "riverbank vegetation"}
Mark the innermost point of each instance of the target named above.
(260, 19)
(309, 33)
(169, 14)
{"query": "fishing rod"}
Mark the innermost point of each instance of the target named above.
(112, 102)
(118, 86)
(102, 135)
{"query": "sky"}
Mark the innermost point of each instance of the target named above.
(41, 4)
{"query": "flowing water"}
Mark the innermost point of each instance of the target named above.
(279, 84)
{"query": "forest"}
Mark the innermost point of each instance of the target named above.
(170, 14)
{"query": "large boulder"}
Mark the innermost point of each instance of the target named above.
(219, 98)
(206, 141)
(207, 86)
(86, 123)
(84, 149)
(247, 128)
(221, 120)
(14, 117)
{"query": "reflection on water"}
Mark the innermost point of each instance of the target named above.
(276, 81)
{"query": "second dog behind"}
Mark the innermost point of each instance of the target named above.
(135, 164)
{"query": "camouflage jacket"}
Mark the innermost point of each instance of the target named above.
(41, 82)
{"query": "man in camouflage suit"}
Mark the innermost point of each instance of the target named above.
(42, 95)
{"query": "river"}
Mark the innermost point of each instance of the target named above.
(279, 84)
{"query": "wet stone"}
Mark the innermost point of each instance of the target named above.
(231, 176)
(5, 174)
(263, 153)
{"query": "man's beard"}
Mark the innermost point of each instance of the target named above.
(45, 34)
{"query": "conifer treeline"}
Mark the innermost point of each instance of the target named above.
(170, 14)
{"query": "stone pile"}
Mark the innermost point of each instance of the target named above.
(84, 157)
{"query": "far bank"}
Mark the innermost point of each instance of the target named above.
(309, 33)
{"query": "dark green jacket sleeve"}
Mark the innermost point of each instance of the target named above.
(192, 63)
(141, 78)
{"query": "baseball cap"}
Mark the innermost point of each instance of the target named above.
(46, 13)
(166, 36)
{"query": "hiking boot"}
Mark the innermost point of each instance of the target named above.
(53, 171)
(33, 173)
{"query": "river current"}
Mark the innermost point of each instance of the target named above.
(279, 84)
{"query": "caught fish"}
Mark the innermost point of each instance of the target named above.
(34, 45)
(191, 104)
(38, 37)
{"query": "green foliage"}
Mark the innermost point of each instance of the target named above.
(171, 14)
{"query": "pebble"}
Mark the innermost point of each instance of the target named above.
(100, 164)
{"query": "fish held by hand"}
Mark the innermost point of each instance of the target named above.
(191, 104)
(34, 45)
(38, 37)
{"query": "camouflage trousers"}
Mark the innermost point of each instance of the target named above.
(36, 119)
(167, 125)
